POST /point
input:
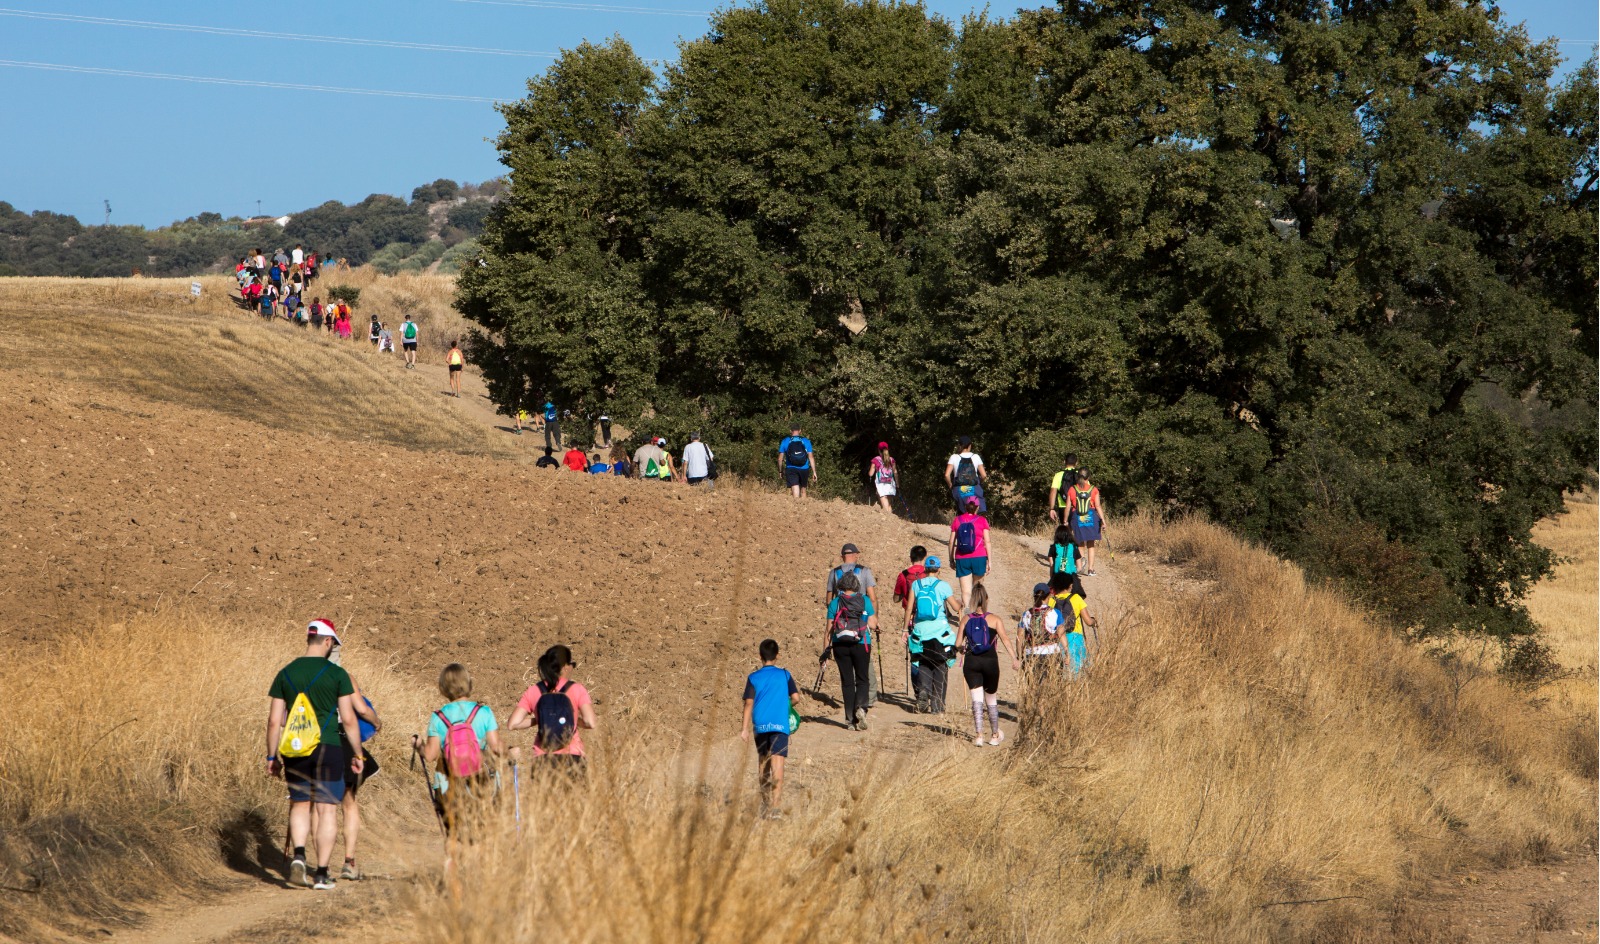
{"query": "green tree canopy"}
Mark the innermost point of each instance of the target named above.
(1283, 264)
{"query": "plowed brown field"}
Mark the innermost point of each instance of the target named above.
(112, 506)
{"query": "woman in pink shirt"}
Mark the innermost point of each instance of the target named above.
(566, 711)
(969, 548)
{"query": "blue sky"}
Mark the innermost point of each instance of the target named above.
(161, 150)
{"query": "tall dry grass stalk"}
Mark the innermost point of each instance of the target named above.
(133, 760)
(1237, 752)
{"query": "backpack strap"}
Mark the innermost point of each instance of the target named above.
(471, 715)
(565, 684)
(443, 720)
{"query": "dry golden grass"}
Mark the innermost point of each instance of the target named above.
(132, 762)
(139, 336)
(1234, 754)
(1567, 606)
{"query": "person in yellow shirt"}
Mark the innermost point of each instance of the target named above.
(1068, 614)
(456, 362)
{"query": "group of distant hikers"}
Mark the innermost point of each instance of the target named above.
(276, 288)
(319, 720)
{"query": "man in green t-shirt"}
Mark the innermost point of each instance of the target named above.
(316, 780)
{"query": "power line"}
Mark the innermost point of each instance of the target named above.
(251, 83)
(269, 34)
(589, 7)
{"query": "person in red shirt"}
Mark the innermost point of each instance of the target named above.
(575, 460)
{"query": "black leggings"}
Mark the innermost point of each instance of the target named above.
(853, 664)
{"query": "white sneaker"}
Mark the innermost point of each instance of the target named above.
(977, 741)
(297, 874)
(998, 737)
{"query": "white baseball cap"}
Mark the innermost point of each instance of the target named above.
(323, 627)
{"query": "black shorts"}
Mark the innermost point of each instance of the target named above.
(455, 368)
(800, 477)
(369, 766)
(409, 345)
(317, 778)
(982, 671)
(772, 744)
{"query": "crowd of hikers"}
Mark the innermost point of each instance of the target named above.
(319, 721)
(277, 288)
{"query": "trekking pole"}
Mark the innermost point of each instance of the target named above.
(433, 796)
(516, 790)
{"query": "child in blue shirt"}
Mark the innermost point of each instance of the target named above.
(770, 698)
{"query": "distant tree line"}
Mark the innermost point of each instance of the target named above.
(443, 212)
(1289, 265)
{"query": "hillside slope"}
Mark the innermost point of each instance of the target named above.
(1246, 742)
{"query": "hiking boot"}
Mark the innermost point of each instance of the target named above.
(861, 721)
(324, 881)
(350, 871)
(297, 873)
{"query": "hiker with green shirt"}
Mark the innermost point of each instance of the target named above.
(312, 701)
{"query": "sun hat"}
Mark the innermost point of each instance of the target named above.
(323, 627)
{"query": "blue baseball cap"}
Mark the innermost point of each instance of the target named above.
(931, 563)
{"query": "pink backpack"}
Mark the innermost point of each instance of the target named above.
(462, 756)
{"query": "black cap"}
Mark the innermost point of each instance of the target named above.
(849, 549)
(965, 440)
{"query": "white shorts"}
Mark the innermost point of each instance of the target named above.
(1049, 649)
(885, 490)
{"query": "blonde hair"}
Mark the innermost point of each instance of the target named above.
(980, 599)
(455, 682)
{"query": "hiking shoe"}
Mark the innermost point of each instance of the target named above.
(324, 882)
(351, 872)
(998, 737)
(297, 873)
(861, 721)
(977, 741)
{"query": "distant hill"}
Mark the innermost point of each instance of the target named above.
(436, 228)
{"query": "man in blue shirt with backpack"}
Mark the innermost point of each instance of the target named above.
(797, 462)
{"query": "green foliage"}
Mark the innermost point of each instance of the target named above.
(349, 294)
(356, 232)
(440, 189)
(1324, 273)
(459, 255)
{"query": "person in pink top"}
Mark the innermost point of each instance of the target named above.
(969, 547)
(558, 708)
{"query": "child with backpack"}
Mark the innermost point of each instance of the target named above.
(1063, 552)
(459, 733)
(770, 702)
(1038, 632)
(969, 548)
(980, 664)
(556, 708)
(1068, 615)
(930, 638)
(849, 633)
